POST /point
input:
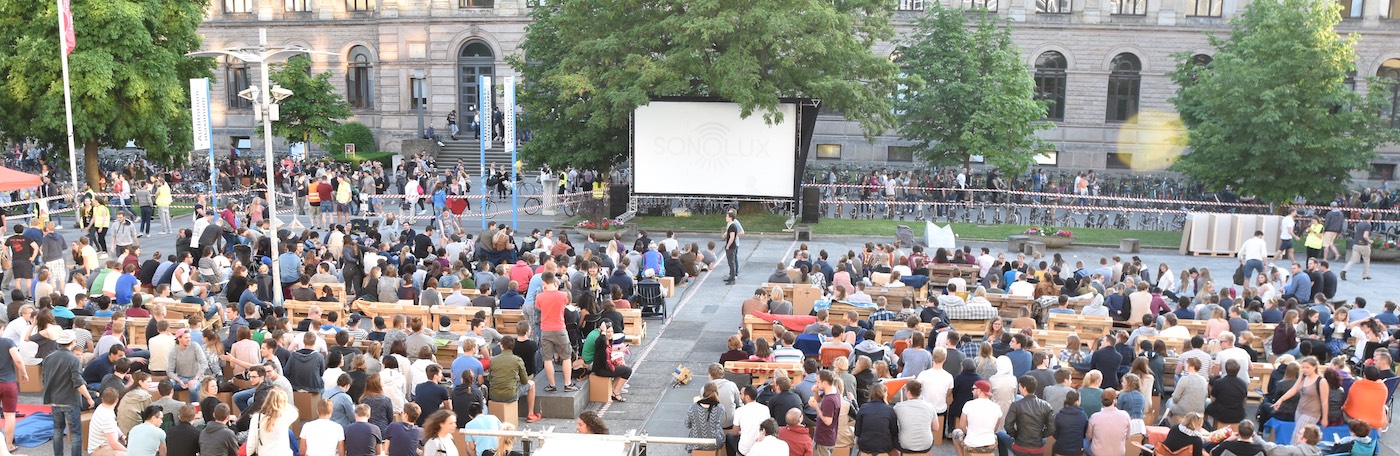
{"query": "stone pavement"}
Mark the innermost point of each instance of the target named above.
(705, 313)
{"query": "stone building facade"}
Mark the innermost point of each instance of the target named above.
(1105, 59)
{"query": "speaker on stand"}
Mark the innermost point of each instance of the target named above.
(811, 204)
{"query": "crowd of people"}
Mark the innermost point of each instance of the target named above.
(1001, 391)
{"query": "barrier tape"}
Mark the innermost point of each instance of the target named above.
(1060, 196)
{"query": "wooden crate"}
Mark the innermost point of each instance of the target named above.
(633, 326)
(884, 330)
(297, 310)
(758, 328)
(1088, 327)
(940, 273)
(506, 319)
(375, 309)
(337, 290)
(1009, 306)
(838, 313)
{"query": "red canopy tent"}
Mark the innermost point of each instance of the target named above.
(11, 180)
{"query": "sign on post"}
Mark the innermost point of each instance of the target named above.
(350, 149)
(199, 113)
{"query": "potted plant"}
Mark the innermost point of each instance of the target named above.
(603, 228)
(1053, 238)
(1384, 249)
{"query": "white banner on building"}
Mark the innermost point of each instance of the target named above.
(199, 113)
(508, 107)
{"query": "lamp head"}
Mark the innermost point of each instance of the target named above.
(279, 94)
(251, 94)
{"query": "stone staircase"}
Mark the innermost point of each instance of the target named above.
(468, 150)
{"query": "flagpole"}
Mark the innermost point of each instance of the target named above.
(67, 99)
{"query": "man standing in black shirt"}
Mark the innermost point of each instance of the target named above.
(423, 243)
(23, 252)
(785, 400)
(731, 250)
(183, 438)
(526, 348)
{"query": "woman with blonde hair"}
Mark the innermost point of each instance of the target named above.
(505, 442)
(268, 430)
(1187, 435)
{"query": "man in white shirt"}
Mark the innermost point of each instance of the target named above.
(1021, 287)
(1173, 329)
(103, 431)
(1229, 351)
(768, 443)
(980, 421)
(937, 382)
(1252, 255)
(16, 330)
(985, 261)
(323, 437)
(1285, 236)
(160, 347)
(749, 419)
(198, 229)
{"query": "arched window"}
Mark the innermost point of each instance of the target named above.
(1050, 83)
(1124, 88)
(1391, 111)
(357, 81)
(1202, 60)
(476, 59)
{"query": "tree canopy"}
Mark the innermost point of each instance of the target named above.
(972, 94)
(315, 108)
(1271, 113)
(587, 64)
(129, 75)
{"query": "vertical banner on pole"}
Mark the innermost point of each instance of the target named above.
(484, 93)
(202, 129)
(508, 107)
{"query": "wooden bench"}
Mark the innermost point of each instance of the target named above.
(1173, 343)
(376, 309)
(884, 330)
(297, 310)
(938, 274)
(758, 328)
(506, 319)
(1261, 331)
(762, 372)
(838, 310)
(802, 296)
(1009, 306)
(1196, 326)
(136, 330)
(337, 290)
(1054, 339)
(1088, 327)
(974, 328)
(896, 295)
(461, 316)
(468, 292)
(183, 310)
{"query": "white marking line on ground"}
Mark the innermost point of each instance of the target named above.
(690, 293)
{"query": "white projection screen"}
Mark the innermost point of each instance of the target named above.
(706, 148)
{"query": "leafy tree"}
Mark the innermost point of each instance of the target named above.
(350, 133)
(1271, 114)
(587, 64)
(129, 75)
(979, 98)
(314, 110)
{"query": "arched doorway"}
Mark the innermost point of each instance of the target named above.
(476, 59)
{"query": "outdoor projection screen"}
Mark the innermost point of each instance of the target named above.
(706, 148)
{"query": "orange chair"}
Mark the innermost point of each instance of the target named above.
(829, 354)
(892, 388)
(899, 346)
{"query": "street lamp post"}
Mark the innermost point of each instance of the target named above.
(265, 99)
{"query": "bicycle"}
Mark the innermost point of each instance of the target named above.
(532, 205)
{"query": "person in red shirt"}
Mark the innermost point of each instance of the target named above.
(554, 336)
(326, 192)
(521, 273)
(798, 438)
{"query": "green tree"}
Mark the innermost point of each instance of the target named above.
(587, 64)
(129, 75)
(979, 98)
(314, 110)
(350, 133)
(1271, 114)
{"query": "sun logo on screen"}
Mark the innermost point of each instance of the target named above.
(710, 149)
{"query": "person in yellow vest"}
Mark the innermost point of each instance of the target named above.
(1314, 243)
(163, 199)
(101, 222)
(563, 182)
(342, 200)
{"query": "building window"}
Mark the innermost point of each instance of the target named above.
(1382, 171)
(828, 151)
(359, 6)
(911, 5)
(1390, 8)
(1351, 9)
(1350, 80)
(899, 154)
(476, 3)
(236, 77)
(357, 83)
(1048, 157)
(1129, 7)
(1208, 8)
(297, 6)
(1054, 6)
(1119, 160)
(1124, 87)
(238, 6)
(989, 5)
(420, 93)
(1391, 111)
(1050, 82)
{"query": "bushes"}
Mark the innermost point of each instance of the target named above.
(385, 158)
(351, 133)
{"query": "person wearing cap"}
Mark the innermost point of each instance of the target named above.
(977, 428)
(66, 392)
(444, 332)
(185, 364)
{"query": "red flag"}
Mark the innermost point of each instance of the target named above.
(65, 25)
